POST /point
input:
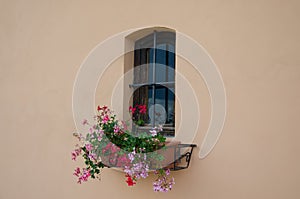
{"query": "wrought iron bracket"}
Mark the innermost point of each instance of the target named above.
(182, 156)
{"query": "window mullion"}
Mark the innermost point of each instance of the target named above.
(154, 77)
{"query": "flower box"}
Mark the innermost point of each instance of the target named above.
(110, 144)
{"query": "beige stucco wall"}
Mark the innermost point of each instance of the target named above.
(254, 43)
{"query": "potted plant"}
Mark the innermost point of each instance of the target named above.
(109, 143)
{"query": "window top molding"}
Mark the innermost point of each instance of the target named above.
(135, 36)
(168, 84)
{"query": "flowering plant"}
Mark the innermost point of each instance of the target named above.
(109, 143)
(138, 114)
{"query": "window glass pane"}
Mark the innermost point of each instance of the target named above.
(161, 62)
(160, 105)
(161, 54)
(160, 71)
(150, 66)
(140, 67)
(171, 48)
(165, 37)
(171, 64)
(150, 102)
(145, 42)
(166, 98)
(140, 97)
(143, 56)
(160, 96)
(171, 108)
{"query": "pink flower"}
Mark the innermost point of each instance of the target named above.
(162, 183)
(116, 128)
(74, 156)
(77, 172)
(75, 153)
(99, 138)
(105, 119)
(168, 172)
(153, 132)
(101, 132)
(131, 156)
(89, 147)
(84, 177)
(92, 156)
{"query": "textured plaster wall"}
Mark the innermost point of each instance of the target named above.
(255, 44)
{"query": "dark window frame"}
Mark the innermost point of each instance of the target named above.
(146, 54)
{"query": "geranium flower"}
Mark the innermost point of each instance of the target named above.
(99, 108)
(75, 153)
(153, 132)
(85, 175)
(162, 183)
(132, 109)
(131, 156)
(105, 119)
(89, 147)
(77, 172)
(116, 128)
(130, 181)
(139, 169)
(142, 108)
(92, 156)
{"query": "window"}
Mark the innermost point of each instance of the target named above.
(154, 79)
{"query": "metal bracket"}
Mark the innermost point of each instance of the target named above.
(182, 161)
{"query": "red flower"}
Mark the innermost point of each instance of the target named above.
(130, 181)
(143, 109)
(99, 108)
(131, 109)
